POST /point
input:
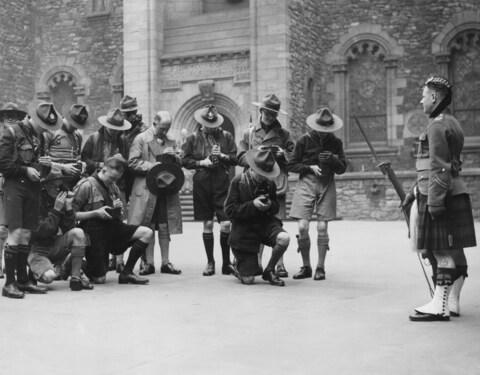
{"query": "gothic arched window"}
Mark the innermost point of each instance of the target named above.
(366, 93)
(464, 72)
(62, 91)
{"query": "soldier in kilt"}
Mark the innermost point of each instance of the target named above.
(444, 214)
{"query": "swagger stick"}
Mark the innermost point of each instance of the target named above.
(387, 170)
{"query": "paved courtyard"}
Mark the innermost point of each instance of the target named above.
(355, 322)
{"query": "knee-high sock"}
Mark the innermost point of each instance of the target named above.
(10, 264)
(208, 243)
(164, 242)
(225, 247)
(277, 252)
(304, 249)
(322, 244)
(78, 252)
(22, 264)
(136, 251)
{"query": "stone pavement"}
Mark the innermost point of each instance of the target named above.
(355, 322)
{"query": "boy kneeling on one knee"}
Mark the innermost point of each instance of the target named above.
(251, 206)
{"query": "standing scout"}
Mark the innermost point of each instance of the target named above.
(445, 221)
(20, 155)
(129, 108)
(65, 145)
(105, 142)
(318, 156)
(159, 209)
(9, 115)
(268, 133)
(211, 151)
(252, 205)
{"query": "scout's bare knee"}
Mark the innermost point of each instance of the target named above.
(143, 234)
(208, 226)
(303, 227)
(77, 237)
(225, 226)
(322, 227)
(283, 239)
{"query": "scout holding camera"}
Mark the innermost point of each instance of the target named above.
(268, 134)
(317, 157)
(211, 151)
(252, 206)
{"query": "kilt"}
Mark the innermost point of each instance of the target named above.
(451, 231)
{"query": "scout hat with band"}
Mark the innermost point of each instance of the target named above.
(270, 103)
(114, 120)
(12, 111)
(324, 121)
(208, 116)
(263, 162)
(47, 117)
(128, 104)
(77, 115)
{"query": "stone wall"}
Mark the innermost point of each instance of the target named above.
(16, 53)
(72, 37)
(316, 28)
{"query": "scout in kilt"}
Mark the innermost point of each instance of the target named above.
(444, 220)
(317, 157)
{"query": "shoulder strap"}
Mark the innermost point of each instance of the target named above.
(250, 137)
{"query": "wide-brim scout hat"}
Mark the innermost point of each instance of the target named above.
(77, 115)
(47, 117)
(128, 104)
(263, 162)
(208, 116)
(270, 103)
(165, 178)
(324, 121)
(11, 110)
(115, 120)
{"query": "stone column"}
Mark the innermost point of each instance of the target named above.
(143, 23)
(443, 59)
(269, 51)
(341, 97)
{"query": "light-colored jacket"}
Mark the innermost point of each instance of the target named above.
(143, 152)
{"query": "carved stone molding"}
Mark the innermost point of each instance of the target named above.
(236, 66)
(200, 58)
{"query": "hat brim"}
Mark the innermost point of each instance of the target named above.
(16, 113)
(261, 106)
(275, 172)
(198, 118)
(77, 124)
(174, 187)
(126, 110)
(37, 120)
(103, 121)
(312, 123)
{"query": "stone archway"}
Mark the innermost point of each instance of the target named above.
(183, 119)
